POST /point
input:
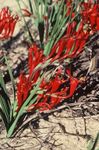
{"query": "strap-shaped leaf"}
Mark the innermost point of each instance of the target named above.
(72, 49)
(95, 142)
(22, 109)
(5, 101)
(4, 119)
(4, 105)
(30, 5)
(32, 102)
(2, 83)
(57, 18)
(11, 76)
(5, 96)
(31, 40)
(59, 26)
(60, 20)
(36, 4)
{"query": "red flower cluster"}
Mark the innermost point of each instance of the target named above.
(69, 9)
(35, 57)
(55, 91)
(23, 89)
(25, 83)
(7, 23)
(69, 46)
(90, 15)
(53, 94)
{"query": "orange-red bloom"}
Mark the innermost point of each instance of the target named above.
(70, 45)
(90, 15)
(7, 23)
(58, 87)
(56, 90)
(35, 57)
(23, 89)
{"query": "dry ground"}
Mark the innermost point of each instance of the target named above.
(59, 132)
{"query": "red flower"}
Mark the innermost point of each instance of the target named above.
(71, 44)
(63, 94)
(7, 23)
(69, 9)
(35, 57)
(23, 89)
(97, 21)
(90, 15)
(57, 89)
(55, 84)
(54, 92)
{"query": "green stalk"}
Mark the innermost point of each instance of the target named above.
(56, 31)
(30, 5)
(29, 34)
(4, 108)
(22, 109)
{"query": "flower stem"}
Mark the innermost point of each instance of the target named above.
(29, 33)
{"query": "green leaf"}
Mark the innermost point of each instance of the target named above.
(13, 85)
(2, 83)
(46, 6)
(30, 5)
(78, 25)
(57, 18)
(5, 108)
(36, 5)
(5, 101)
(47, 48)
(32, 102)
(60, 20)
(11, 76)
(22, 109)
(95, 142)
(92, 145)
(31, 40)
(4, 119)
(73, 46)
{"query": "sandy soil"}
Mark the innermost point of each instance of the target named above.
(58, 133)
